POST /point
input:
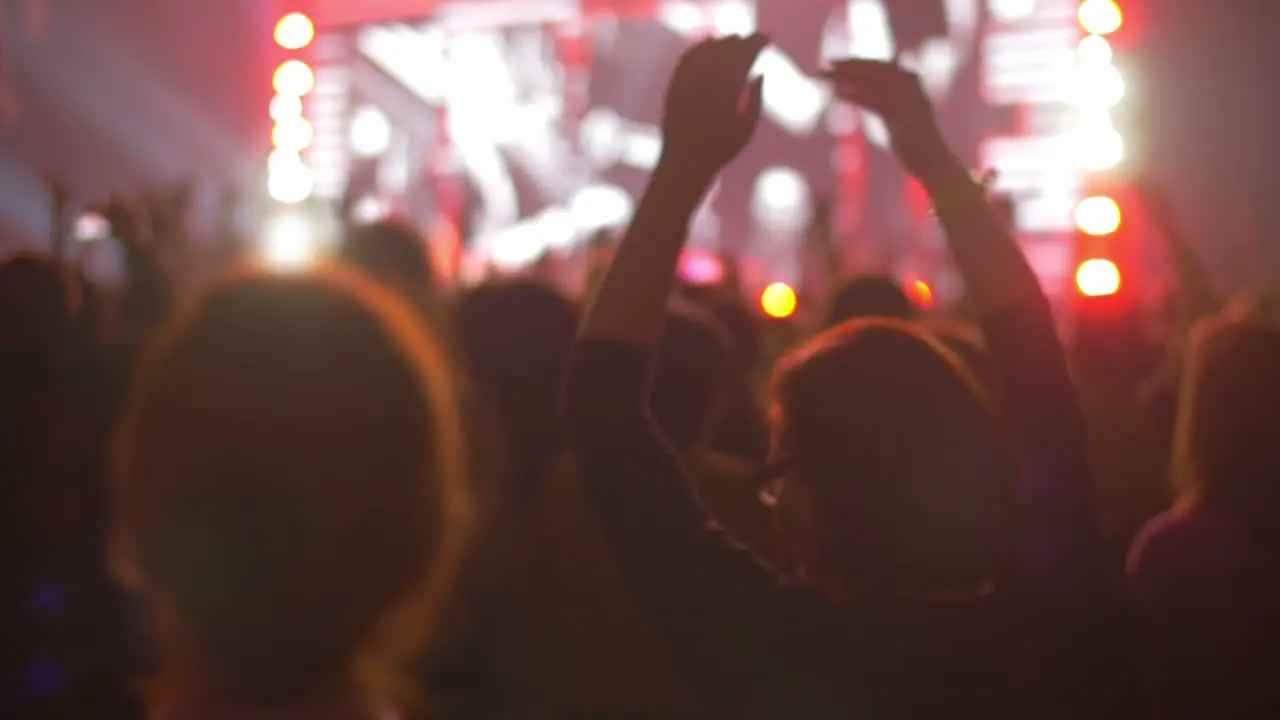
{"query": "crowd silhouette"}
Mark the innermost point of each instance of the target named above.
(360, 491)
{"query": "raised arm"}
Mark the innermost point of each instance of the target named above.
(1015, 316)
(711, 113)
(710, 595)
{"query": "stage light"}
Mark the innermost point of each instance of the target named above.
(293, 78)
(1100, 148)
(91, 227)
(1094, 50)
(698, 267)
(1100, 17)
(1098, 277)
(733, 17)
(285, 106)
(781, 198)
(295, 31)
(1012, 10)
(368, 209)
(293, 134)
(921, 294)
(370, 132)
(681, 17)
(288, 244)
(778, 300)
(1099, 86)
(600, 206)
(290, 183)
(1098, 215)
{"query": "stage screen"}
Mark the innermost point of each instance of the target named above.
(537, 122)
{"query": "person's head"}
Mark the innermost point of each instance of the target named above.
(869, 296)
(392, 252)
(290, 487)
(515, 335)
(966, 342)
(891, 473)
(690, 376)
(1226, 453)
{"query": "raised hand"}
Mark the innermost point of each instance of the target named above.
(712, 109)
(897, 96)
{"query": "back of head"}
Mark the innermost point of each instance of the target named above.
(291, 485)
(1226, 451)
(690, 374)
(966, 342)
(516, 336)
(868, 296)
(898, 457)
(391, 251)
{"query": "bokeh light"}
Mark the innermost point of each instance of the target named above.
(778, 300)
(921, 294)
(295, 31)
(1098, 277)
(292, 134)
(370, 132)
(290, 182)
(1100, 17)
(293, 78)
(1098, 215)
(1094, 50)
(285, 106)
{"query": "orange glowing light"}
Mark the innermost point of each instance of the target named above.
(922, 294)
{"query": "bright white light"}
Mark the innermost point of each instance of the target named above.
(285, 106)
(91, 227)
(868, 24)
(733, 17)
(556, 228)
(368, 209)
(1094, 50)
(792, 99)
(415, 58)
(1100, 146)
(515, 247)
(641, 148)
(289, 244)
(293, 77)
(370, 132)
(288, 183)
(780, 187)
(294, 31)
(1012, 10)
(1098, 277)
(283, 160)
(936, 65)
(1098, 215)
(600, 206)
(781, 198)
(1100, 86)
(682, 17)
(600, 131)
(1101, 17)
(293, 134)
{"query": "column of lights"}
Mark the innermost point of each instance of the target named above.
(289, 178)
(1100, 87)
